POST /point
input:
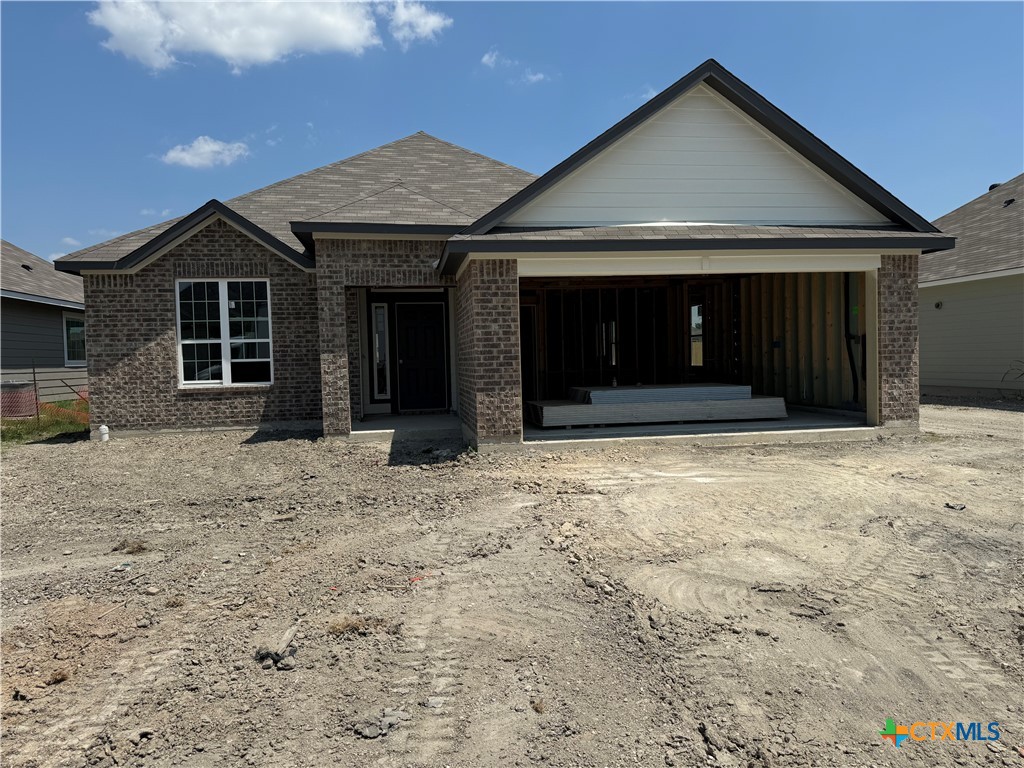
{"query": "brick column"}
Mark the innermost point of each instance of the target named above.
(330, 291)
(487, 327)
(898, 364)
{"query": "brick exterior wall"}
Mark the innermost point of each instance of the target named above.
(342, 266)
(386, 263)
(487, 328)
(355, 379)
(132, 341)
(334, 373)
(898, 362)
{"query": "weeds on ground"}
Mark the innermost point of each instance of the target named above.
(67, 419)
(175, 601)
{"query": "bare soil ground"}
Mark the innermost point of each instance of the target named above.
(649, 604)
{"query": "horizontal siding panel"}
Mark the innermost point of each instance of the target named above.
(699, 159)
(54, 383)
(612, 216)
(977, 336)
(31, 332)
(695, 130)
(694, 172)
(755, 145)
(631, 185)
(684, 157)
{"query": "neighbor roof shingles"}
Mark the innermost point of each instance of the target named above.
(439, 182)
(40, 279)
(989, 236)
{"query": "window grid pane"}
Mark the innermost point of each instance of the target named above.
(248, 314)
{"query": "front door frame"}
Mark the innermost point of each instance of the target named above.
(391, 298)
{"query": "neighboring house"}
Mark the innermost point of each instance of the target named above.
(42, 325)
(705, 237)
(972, 299)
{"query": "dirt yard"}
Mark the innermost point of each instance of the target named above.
(223, 600)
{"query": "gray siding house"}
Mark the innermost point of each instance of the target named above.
(42, 325)
(972, 299)
(705, 240)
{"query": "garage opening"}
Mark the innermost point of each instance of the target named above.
(796, 337)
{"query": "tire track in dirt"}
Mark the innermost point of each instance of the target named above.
(77, 725)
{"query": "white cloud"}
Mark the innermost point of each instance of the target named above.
(244, 34)
(69, 241)
(494, 59)
(205, 152)
(648, 94)
(412, 21)
(54, 256)
(147, 212)
(165, 212)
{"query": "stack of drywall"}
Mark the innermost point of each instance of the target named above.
(659, 394)
(591, 406)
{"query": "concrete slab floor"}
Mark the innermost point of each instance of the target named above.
(799, 421)
(408, 426)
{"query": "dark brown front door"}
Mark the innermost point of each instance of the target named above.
(422, 356)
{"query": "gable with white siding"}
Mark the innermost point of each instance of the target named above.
(700, 159)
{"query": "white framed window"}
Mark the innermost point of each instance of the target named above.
(74, 339)
(381, 361)
(224, 335)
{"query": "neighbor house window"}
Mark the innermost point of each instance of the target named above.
(74, 339)
(224, 332)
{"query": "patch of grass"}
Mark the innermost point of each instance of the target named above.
(66, 419)
(538, 706)
(130, 546)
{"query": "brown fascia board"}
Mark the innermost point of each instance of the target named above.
(169, 235)
(753, 104)
(457, 251)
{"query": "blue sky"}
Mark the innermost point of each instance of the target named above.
(103, 108)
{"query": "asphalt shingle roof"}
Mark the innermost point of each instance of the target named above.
(396, 205)
(25, 272)
(989, 234)
(416, 180)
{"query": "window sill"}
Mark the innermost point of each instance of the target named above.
(207, 388)
(75, 365)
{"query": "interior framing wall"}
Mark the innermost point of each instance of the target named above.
(793, 339)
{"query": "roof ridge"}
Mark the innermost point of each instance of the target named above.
(973, 200)
(476, 154)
